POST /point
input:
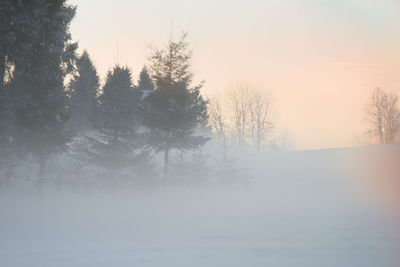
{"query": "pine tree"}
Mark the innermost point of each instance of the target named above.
(42, 107)
(20, 23)
(119, 102)
(117, 139)
(145, 84)
(8, 147)
(175, 111)
(83, 92)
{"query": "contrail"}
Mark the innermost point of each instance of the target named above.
(355, 64)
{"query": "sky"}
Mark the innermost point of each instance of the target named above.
(318, 60)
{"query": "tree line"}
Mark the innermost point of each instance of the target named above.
(53, 103)
(51, 100)
(242, 116)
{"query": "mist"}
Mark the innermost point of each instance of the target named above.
(314, 209)
(147, 166)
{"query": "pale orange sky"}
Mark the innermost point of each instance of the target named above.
(318, 59)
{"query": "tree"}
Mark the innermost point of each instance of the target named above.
(8, 146)
(175, 110)
(261, 123)
(383, 116)
(83, 92)
(20, 23)
(116, 137)
(42, 107)
(145, 85)
(218, 122)
(240, 105)
(251, 115)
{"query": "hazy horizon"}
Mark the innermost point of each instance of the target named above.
(308, 55)
(293, 161)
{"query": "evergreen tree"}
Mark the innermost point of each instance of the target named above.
(8, 147)
(117, 139)
(83, 92)
(175, 111)
(145, 84)
(20, 22)
(42, 107)
(119, 102)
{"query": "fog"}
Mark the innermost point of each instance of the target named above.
(300, 209)
(142, 167)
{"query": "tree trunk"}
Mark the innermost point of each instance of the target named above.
(166, 161)
(224, 149)
(2, 69)
(42, 172)
(9, 172)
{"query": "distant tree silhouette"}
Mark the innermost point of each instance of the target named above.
(261, 123)
(117, 143)
(239, 99)
(383, 117)
(175, 111)
(145, 85)
(218, 123)
(250, 114)
(83, 91)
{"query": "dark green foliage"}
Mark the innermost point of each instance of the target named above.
(19, 28)
(119, 102)
(145, 84)
(175, 111)
(115, 127)
(83, 92)
(20, 23)
(36, 56)
(9, 150)
(42, 108)
(173, 116)
(116, 143)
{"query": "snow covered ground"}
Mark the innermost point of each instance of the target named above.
(303, 209)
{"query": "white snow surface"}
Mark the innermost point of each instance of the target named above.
(301, 209)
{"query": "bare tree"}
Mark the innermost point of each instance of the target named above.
(250, 115)
(239, 99)
(383, 116)
(217, 122)
(260, 119)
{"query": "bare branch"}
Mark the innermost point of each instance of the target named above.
(383, 117)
